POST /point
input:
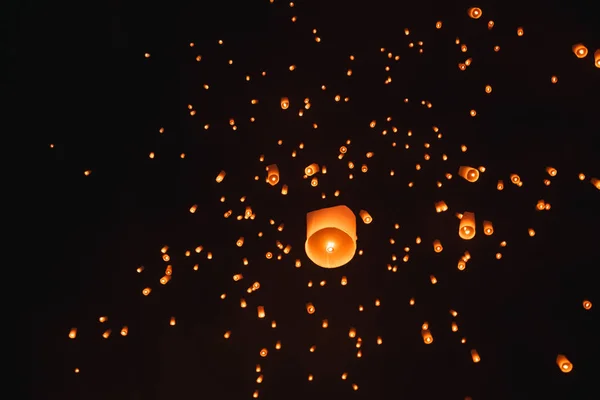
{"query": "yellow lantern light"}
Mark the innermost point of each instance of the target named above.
(488, 228)
(514, 178)
(311, 169)
(365, 216)
(475, 12)
(331, 236)
(580, 50)
(261, 311)
(587, 305)
(240, 242)
(551, 171)
(469, 173)
(437, 246)
(475, 356)
(285, 103)
(500, 185)
(284, 190)
(124, 331)
(73, 333)
(595, 182)
(564, 364)
(466, 229)
(597, 58)
(273, 174)
(427, 338)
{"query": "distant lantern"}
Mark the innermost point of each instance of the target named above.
(587, 305)
(595, 182)
(220, 177)
(551, 171)
(564, 364)
(427, 338)
(488, 228)
(580, 50)
(500, 185)
(311, 169)
(240, 242)
(437, 246)
(331, 236)
(441, 206)
(466, 228)
(285, 103)
(284, 190)
(475, 356)
(469, 173)
(310, 308)
(273, 174)
(365, 216)
(597, 58)
(475, 12)
(73, 332)
(260, 311)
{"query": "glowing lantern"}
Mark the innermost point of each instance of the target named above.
(264, 352)
(441, 206)
(597, 58)
(284, 190)
(311, 169)
(331, 236)
(475, 356)
(261, 311)
(500, 185)
(466, 229)
(551, 171)
(285, 103)
(310, 308)
(475, 12)
(427, 338)
(220, 177)
(595, 182)
(586, 305)
(469, 173)
(73, 333)
(365, 216)
(488, 228)
(124, 331)
(580, 50)
(172, 321)
(437, 246)
(564, 364)
(273, 174)
(514, 178)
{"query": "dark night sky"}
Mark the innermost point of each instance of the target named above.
(101, 104)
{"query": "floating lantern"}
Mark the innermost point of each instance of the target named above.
(466, 229)
(564, 364)
(488, 228)
(469, 173)
(331, 236)
(273, 174)
(580, 50)
(475, 12)
(285, 103)
(365, 216)
(311, 169)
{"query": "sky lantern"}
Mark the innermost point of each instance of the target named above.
(273, 174)
(437, 246)
(220, 177)
(488, 228)
(331, 236)
(73, 333)
(475, 356)
(441, 206)
(587, 305)
(466, 229)
(597, 58)
(427, 337)
(285, 103)
(475, 12)
(365, 216)
(580, 50)
(551, 171)
(564, 364)
(469, 173)
(311, 169)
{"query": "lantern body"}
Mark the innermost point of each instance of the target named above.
(311, 169)
(580, 50)
(285, 103)
(469, 173)
(331, 236)
(563, 363)
(466, 228)
(273, 174)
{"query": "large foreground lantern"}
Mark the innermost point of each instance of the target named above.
(331, 236)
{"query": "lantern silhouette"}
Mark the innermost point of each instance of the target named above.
(331, 236)
(466, 229)
(564, 364)
(469, 173)
(273, 174)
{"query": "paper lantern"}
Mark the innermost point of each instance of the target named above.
(466, 229)
(427, 338)
(311, 169)
(273, 174)
(597, 58)
(331, 236)
(564, 364)
(220, 177)
(365, 216)
(285, 103)
(580, 50)
(488, 228)
(469, 173)
(475, 12)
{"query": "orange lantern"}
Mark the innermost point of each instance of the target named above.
(285, 103)
(441, 206)
(331, 236)
(580, 50)
(311, 169)
(437, 246)
(475, 12)
(469, 173)
(564, 364)
(220, 177)
(488, 228)
(597, 58)
(273, 174)
(475, 356)
(466, 229)
(365, 216)
(427, 338)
